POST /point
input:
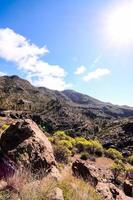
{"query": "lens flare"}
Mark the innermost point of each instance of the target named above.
(120, 24)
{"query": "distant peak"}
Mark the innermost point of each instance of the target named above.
(14, 77)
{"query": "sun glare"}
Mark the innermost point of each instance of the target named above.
(120, 24)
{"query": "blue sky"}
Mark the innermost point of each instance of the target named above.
(66, 45)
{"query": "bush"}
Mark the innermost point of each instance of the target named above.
(114, 154)
(61, 153)
(130, 159)
(91, 146)
(5, 126)
(95, 147)
(66, 143)
(117, 168)
(84, 155)
(81, 146)
(61, 136)
(129, 172)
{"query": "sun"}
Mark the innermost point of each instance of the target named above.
(120, 24)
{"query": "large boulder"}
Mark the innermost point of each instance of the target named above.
(27, 145)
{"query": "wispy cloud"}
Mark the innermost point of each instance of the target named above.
(28, 58)
(96, 74)
(80, 70)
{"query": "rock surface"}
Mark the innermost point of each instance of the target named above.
(27, 145)
(88, 171)
(120, 136)
(128, 188)
(56, 194)
(110, 192)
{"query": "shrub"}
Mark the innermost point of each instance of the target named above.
(81, 146)
(5, 126)
(129, 172)
(114, 154)
(66, 143)
(61, 153)
(94, 147)
(130, 159)
(117, 168)
(84, 155)
(91, 146)
(59, 136)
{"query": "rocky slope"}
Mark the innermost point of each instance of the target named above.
(67, 110)
(119, 135)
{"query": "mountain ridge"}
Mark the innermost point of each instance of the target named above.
(67, 110)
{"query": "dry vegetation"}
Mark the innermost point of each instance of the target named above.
(25, 186)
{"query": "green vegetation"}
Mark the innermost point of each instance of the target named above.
(91, 146)
(114, 154)
(61, 153)
(129, 172)
(84, 155)
(130, 159)
(117, 168)
(5, 195)
(5, 126)
(65, 146)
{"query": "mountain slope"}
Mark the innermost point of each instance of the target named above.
(67, 110)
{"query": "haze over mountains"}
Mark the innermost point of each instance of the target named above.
(67, 110)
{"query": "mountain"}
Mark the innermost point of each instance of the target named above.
(67, 110)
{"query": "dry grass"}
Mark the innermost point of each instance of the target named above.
(25, 186)
(77, 189)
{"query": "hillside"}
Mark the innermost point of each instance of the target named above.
(67, 110)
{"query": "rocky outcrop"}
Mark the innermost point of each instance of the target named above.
(89, 172)
(27, 145)
(110, 192)
(120, 136)
(128, 188)
(101, 179)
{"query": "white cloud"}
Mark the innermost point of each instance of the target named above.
(2, 74)
(52, 83)
(27, 56)
(80, 70)
(98, 73)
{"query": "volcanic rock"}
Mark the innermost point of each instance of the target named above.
(90, 172)
(27, 145)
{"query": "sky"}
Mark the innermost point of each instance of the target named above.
(81, 45)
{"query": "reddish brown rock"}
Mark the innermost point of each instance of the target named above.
(27, 145)
(110, 192)
(90, 172)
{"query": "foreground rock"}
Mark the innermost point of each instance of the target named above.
(128, 188)
(56, 194)
(27, 145)
(110, 192)
(101, 179)
(89, 172)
